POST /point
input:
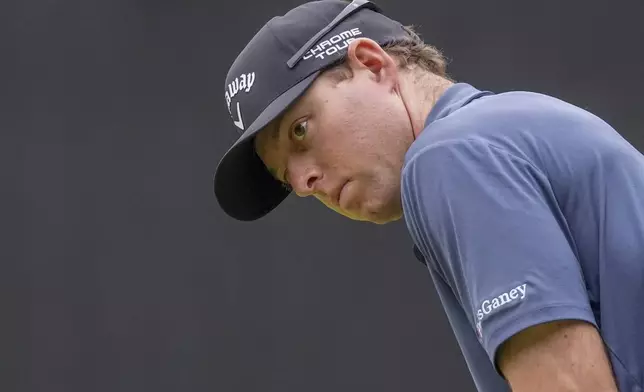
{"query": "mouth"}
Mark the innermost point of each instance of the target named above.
(338, 195)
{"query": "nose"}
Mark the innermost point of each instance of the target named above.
(304, 178)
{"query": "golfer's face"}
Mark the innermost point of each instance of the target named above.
(336, 143)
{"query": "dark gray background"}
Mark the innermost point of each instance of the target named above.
(118, 270)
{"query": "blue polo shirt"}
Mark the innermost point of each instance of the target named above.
(527, 209)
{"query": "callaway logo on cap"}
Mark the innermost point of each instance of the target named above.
(275, 68)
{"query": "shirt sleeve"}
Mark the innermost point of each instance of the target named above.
(489, 224)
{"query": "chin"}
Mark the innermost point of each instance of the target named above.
(376, 216)
(378, 208)
(381, 220)
(381, 214)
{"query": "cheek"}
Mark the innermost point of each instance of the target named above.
(343, 119)
(368, 109)
(357, 125)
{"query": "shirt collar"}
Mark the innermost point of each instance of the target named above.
(454, 98)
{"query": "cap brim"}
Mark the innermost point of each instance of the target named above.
(243, 186)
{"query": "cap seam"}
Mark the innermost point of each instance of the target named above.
(270, 28)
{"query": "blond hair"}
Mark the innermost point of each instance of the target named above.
(410, 52)
(413, 51)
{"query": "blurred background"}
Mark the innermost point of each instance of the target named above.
(118, 270)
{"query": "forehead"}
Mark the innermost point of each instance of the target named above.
(308, 99)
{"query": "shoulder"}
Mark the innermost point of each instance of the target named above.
(530, 126)
(492, 116)
(466, 165)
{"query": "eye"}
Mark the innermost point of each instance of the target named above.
(299, 130)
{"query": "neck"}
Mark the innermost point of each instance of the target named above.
(419, 94)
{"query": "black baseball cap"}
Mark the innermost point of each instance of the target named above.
(275, 68)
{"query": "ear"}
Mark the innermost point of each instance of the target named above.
(364, 54)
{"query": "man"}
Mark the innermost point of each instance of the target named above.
(527, 211)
